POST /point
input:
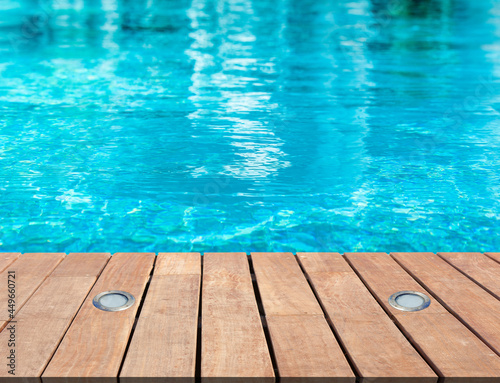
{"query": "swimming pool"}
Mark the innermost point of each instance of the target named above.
(249, 125)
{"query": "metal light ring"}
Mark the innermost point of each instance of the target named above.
(130, 300)
(424, 305)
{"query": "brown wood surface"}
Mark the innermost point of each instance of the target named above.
(7, 259)
(451, 348)
(178, 263)
(283, 288)
(43, 320)
(458, 335)
(31, 269)
(233, 342)
(296, 338)
(323, 262)
(82, 265)
(478, 267)
(374, 344)
(95, 343)
(474, 306)
(164, 341)
(494, 256)
(305, 347)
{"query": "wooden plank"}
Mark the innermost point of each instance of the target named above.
(452, 349)
(374, 344)
(282, 285)
(474, 306)
(296, 322)
(43, 320)
(6, 259)
(305, 347)
(323, 262)
(478, 267)
(178, 263)
(164, 341)
(494, 256)
(95, 343)
(233, 342)
(30, 270)
(82, 265)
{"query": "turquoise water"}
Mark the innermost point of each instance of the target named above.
(249, 125)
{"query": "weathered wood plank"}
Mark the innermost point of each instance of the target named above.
(305, 347)
(373, 342)
(7, 259)
(316, 262)
(233, 341)
(95, 343)
(494, 256)
(30, 270)
(478, 267)
(82, 265)
(296, 338)
(282, 285)
(452, 349)
(478, 309)
(164, 341)
(178, 263)
(43, 320)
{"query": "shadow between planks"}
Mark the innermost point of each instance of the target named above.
(263, 317)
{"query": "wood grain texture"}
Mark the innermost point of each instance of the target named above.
(7, 259)
(323, 262)
(43, 320)
(474, 306)
(374, 344)
(283, 288)
(95, 343)
(30, 269)
(178, 263)
(233, 340)
(296, 339)
(452, 349)
(82, 265)
(164, 341)
(305, 347)
(478, 267)
(494, 256)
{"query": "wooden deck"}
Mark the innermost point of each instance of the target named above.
(310, 317)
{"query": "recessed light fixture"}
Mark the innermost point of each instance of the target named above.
(113, 300)
(409, 300)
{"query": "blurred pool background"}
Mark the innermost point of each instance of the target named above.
(249, 125)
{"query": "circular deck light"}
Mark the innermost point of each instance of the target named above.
(409, 301)
(113, 300)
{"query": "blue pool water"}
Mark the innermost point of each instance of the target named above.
(249, 125)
